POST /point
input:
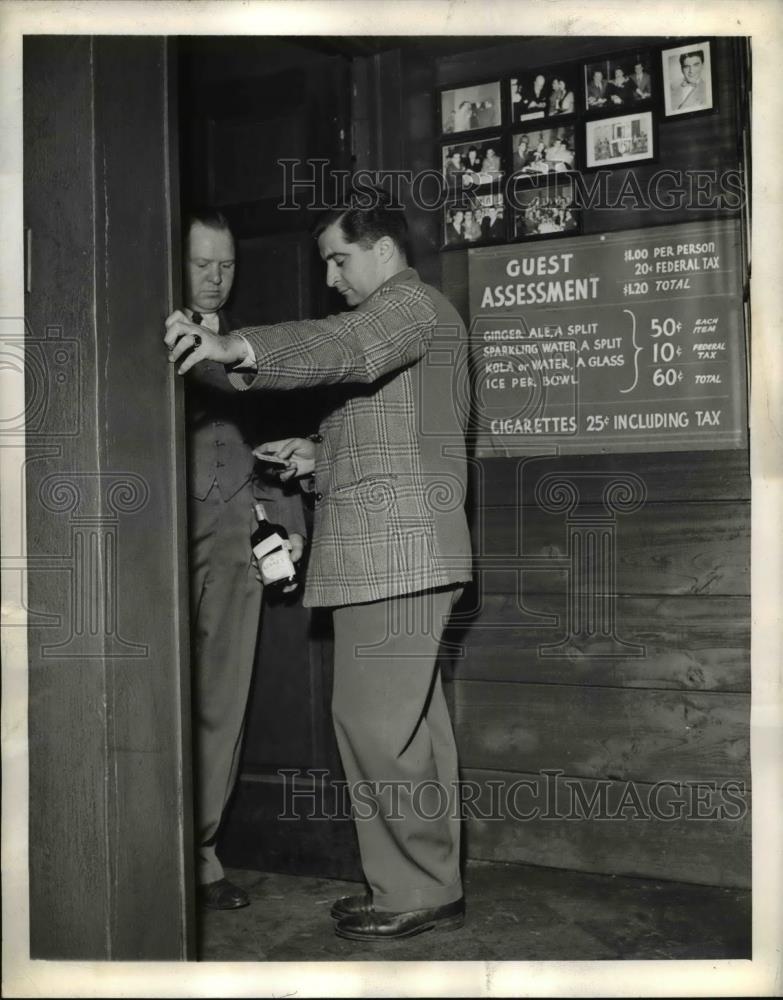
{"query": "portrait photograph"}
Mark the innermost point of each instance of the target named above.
(536, 152)
(543, 93)
(545, 210)
(473, 164)
(623, 81)
(687, 79)
(474, 220)
(467, 109)
(626, 139)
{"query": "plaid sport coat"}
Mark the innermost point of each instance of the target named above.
(390, 473)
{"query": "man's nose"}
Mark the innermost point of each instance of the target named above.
(215, 275)
(331, 275)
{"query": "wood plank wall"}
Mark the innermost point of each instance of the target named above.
(677, 712)
(610, 723)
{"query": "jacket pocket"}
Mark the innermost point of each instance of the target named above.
(373, 492)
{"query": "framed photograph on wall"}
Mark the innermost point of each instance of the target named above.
(547, 150)
(687, 79)
(474, 163)
(625, 139)
(545, 209)
(474, 220)
(620, 82)
(466, 109)
(544, 93)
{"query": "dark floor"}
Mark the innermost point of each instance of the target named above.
(514, 912)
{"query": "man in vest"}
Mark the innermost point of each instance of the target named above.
(225, 589)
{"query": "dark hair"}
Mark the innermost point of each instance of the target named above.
(687, 55)
(366, 217)
(212, 218)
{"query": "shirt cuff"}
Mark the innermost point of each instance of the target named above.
(248, 363)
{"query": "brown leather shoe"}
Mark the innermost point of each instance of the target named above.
(348, 906)
(378, 925)
(222, 895)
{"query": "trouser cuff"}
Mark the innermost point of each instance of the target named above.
(417, 899)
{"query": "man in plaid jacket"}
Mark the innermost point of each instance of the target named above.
(390, 548)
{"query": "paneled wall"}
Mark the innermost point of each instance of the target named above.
(673, 707)
(672, 704)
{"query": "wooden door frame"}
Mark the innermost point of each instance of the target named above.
(110, 819)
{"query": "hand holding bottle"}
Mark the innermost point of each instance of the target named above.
(295, 544)
(274, 553)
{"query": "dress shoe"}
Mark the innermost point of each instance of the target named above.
(380, 925)
(349, 906)
(222, 895)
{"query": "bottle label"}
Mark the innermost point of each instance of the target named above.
(277, 566)
(268, 544)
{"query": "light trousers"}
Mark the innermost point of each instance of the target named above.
(225, 610)
(397, 747)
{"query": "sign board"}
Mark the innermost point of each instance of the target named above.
(618, 342)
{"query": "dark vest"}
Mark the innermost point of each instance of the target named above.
(219, 429)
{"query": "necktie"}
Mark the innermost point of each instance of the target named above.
(210, 321)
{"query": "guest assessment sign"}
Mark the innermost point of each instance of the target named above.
(630, 341)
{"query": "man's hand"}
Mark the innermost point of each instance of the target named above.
(298, 452)
(181, 335)
(297, 546)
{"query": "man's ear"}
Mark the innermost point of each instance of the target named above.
(385, 248)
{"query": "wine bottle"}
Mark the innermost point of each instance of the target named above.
(270, 547)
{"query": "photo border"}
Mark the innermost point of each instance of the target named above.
(438, 97)
(571, 65)
(452, 204)
(636, 161)
(696, 112)
(452, 189)
(655, 102)
(545, 182)
(525, 128)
